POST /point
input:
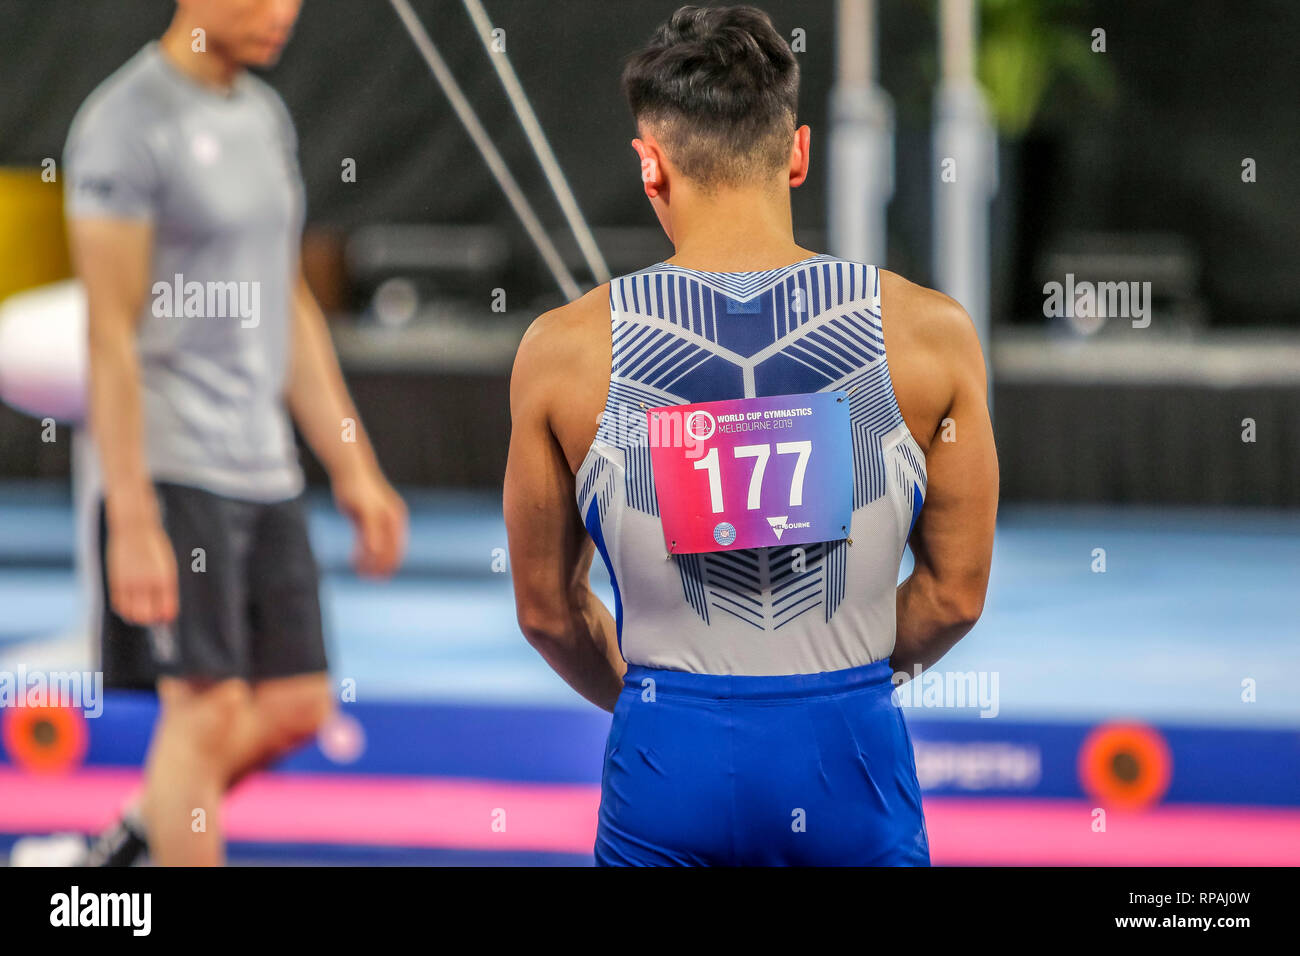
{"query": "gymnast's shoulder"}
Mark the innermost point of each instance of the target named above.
(567, 340)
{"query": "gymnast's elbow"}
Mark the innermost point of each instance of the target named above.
(544, 625)
(961, 608)
(952, 603)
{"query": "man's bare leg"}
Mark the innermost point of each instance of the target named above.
(193, 753)
(256, 729)
(286, 713)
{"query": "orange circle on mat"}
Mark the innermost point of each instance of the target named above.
(1128, 765)
(45, 739)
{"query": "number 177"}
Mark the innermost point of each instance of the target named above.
(760, 454)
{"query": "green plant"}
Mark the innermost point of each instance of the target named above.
(1028, 47)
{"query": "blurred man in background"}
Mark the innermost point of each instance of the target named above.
(750, 687)
(185, 212)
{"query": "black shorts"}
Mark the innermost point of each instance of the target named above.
(249, 596)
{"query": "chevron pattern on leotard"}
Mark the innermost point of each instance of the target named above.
(683, 336)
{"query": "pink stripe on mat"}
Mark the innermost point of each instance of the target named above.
(320, 808)
(415, 811)
(1019, 832)
(451, 813)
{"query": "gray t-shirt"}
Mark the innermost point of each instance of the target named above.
(218, 177)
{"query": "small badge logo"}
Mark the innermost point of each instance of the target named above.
(206, 148)
(724, 533)
(700, 425)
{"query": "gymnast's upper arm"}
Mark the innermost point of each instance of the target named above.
(953, 538)
(550, 553)
(114, 182)
(112, 258)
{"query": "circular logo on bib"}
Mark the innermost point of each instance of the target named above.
(700, 425)
(724, 532)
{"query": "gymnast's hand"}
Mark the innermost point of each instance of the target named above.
(379, 518)
(142, 582)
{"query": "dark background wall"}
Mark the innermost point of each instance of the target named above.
(1190, 89)
(1195, 87)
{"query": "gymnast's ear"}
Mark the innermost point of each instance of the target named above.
(652, 167)
(799, 156)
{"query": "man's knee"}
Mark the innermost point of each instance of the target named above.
(293, 709)
(210, 717)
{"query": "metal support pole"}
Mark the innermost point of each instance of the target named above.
(964, 172)
(861, 179)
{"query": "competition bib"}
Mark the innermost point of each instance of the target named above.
(753, 472)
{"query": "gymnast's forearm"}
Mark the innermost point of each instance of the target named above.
(582, 647)
(116, 422)
(318, 396)
(931, 619)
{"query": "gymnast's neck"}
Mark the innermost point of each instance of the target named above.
(194, 54)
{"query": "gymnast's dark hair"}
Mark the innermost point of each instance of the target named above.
(721, 88)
